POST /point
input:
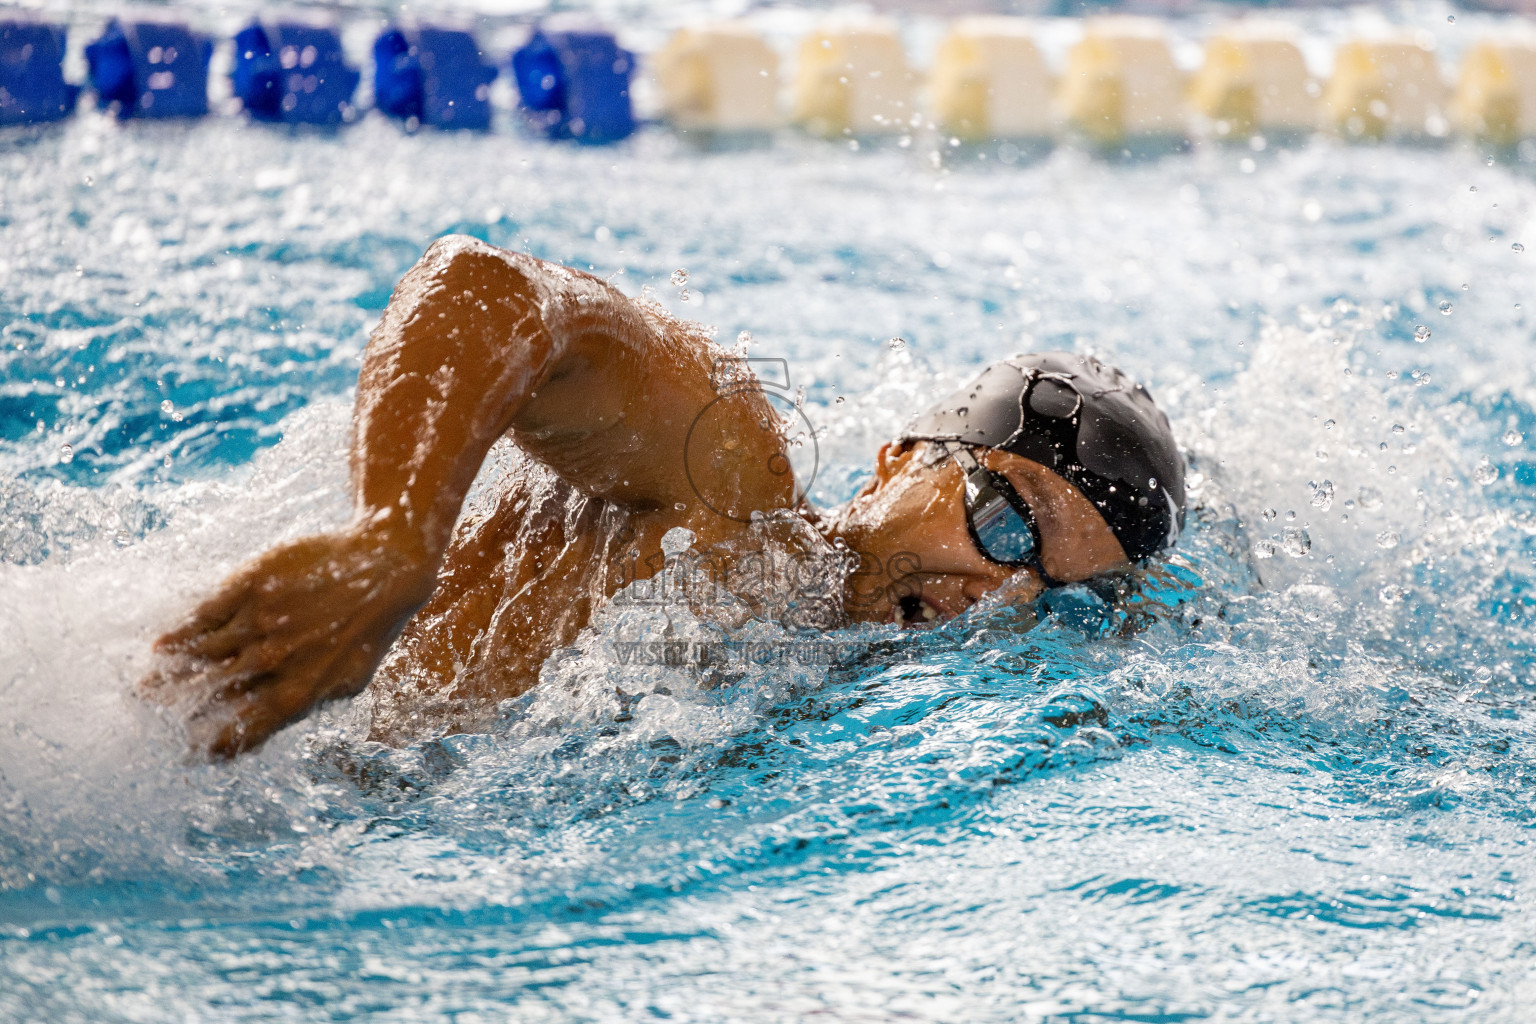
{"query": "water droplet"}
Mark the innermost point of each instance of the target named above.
(684, 295)
(1451, 18)
(1388, 539)
(896, 344)
(680, 506)
(1513, 437)
(1327, 424)
(1391, 594)
(1269, 515)
(167, 407)
(839, 400)
(1296, 542)
(1421, 334)
(1445, 308)
(1264, 549)
(1486, 472)
(1151, 483)
(66, 453)
(1397, 428)
(1370, 498)
(1322, 495)
(676, 540)
(1290, 516)
(679, 277)
(1518, 247)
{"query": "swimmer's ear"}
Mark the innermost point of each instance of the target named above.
(890, 459)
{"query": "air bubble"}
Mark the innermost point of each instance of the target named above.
(1518, 247)
(167, 407)
(896, 344)
(1486, 472)
(1269, 515)
(684, 295)
(679, 277)
(1445, 308)
(66, 453)
(1388, 539)
(1512, 437)
(1322, 495)
(1327, 424)
(1290, 516)
(1370, 498)
(1397, 428)
(1421, 334)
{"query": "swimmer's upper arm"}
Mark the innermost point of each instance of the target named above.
(476, 341)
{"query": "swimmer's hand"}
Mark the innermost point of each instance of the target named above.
(305, 623)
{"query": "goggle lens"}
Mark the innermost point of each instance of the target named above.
(1003, 534)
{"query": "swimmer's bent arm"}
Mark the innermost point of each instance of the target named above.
(475, 342)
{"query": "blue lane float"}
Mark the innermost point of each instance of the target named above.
(437, 76)
(293, 73)
(32, 86)
(150, 69)
(575, 85)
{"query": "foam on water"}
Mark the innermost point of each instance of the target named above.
(1284, 774)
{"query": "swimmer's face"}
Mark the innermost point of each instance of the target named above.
(909, 523)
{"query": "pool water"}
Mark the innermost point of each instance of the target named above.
(1287, 776)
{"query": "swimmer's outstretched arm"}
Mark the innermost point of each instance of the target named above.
(475, 342)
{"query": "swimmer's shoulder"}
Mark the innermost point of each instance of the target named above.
(466, 253)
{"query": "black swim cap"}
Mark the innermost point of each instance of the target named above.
(1090, 424)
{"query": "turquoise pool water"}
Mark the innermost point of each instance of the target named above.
(1290, 779)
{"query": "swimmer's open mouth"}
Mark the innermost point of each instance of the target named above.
(912, 610)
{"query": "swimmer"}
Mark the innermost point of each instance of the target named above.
(1047, 469)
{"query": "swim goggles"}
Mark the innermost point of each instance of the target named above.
(1001, 524)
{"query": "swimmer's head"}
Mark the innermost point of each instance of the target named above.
(1046, 469)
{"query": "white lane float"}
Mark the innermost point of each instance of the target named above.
(852, 78)
(1121, 85)
(1387, 88)
(1254, 80)
(989, 82)
(1496, 96)
(720, 77)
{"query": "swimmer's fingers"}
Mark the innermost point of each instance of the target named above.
(206, 621)
(240, 719)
